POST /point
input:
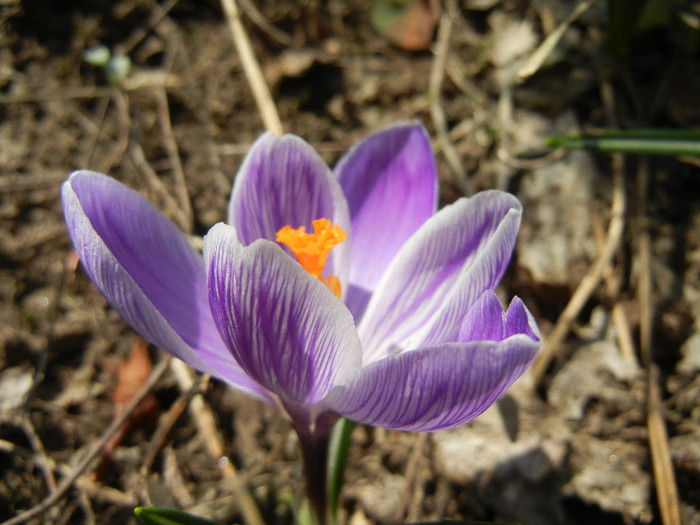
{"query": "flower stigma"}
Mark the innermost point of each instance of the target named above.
(312, 249)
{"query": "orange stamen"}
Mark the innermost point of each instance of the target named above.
(312, 249)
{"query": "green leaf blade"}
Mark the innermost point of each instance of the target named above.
(161, 516)
(635, 142)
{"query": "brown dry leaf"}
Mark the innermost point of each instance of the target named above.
(132, 374)
(409, 24)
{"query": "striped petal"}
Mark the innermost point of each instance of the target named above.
(486, 320)
(390, 182)
(439, 273)
(148, 272)
(285, 328)
(281, 182)
(519, 320)
(433, 388)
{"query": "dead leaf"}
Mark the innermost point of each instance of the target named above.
(131, 376)
(409, 24)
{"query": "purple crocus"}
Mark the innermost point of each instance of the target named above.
(390, 319)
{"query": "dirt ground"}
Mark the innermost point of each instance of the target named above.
(569, 445)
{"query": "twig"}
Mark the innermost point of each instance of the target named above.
(102, 492)
(276, 450)
(93, 137)
(37, 455)
(646, 308)
(86, 507)
(547, 46)
(166, 129)
(94, 450)
(589, 282)
(252, 70)
(32, 237)
(15, 181)
(108, 494)
(619, 317)
(259, 20)
(156, 185)
(410, 478)
(41, 457)
(206, 425)
(437, 113)
(158, 12)
(666, 489)
(117, 151)
(72, 93)
(176, 46)
(517, 163)
(166, 423)
(613, 285)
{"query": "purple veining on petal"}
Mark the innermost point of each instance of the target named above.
(433, 388)
(484, 321)
(284, 327)
(390, 182)
(519, 320)
(148, 272)
(443, 268)
(283, 181)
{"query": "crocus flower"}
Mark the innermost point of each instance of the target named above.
(327, 293)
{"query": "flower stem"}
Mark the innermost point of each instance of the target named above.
(314, 450)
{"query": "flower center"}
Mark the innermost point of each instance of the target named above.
(312, 249)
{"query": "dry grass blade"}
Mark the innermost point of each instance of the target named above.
(646, 313)
(412, 489)
(165, 425)
(252, 70)
(436, 110)
(166, 129)
(545, 49)
(613, 281)
(264, 25)
(86, 92)
(158, 12)
(138, 157)
(42, 460)
(589, 282)
(666, 489)
(206, 425)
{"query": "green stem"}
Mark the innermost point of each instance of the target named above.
(337, 459)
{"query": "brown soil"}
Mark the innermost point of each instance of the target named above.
(187, 106)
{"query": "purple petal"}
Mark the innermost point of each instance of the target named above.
(444, 267)
(390, 182)
(484, 321)
(519, 320)
(148, 272)
(433, 388)
(281, 182)
(285, 328)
